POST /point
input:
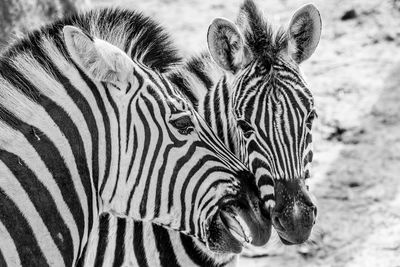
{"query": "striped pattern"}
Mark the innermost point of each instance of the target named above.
(263, 114)
(132, 243)
(212, 99)
(72, 147)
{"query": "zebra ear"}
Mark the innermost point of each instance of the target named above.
(226, 45)
(101, 60)
(304, 32)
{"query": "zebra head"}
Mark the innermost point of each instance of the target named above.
(273, 108)
(172, 170)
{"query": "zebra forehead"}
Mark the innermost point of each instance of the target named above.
(274, 91)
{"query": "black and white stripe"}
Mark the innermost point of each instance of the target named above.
(263, 113)
(87, 129)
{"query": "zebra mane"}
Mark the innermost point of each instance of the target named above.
(264, 41)
(143, 39)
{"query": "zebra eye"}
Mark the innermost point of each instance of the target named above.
(245, 127)
(313, 115)
(183, 124)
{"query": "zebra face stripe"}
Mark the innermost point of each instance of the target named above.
(278, 111)
(270, 95)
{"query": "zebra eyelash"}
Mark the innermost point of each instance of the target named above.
(183, 124)
(312, 116)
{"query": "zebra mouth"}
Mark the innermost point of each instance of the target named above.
(236, 226)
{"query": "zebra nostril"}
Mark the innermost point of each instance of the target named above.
(277, 223)
(315, 210)
(308, 201)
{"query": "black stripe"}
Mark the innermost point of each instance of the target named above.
(195, 66)
(164, 89)
(176, 143)
(199, 183)
(60, 117)
(81, 259)
(69, 129)
(199, 180)
(193, 252)
(207, 109)
(2, 260)
(106, 122)
(179, 164)
(164, 247)
(226, 102)
(147, 138)
(251, 106)
(217, 113)
(54, 163)
(116, 112)
(20, 231)
(182, 85)
(135, 145)
(103, 239)
(129, 116)
(138, 245)
(44, 204)
(87, 113)
(155, 152)
(119, 246)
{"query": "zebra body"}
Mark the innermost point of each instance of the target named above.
(262, 109)
(132, 243)
(88, 125)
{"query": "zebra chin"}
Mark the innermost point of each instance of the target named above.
(239, 222)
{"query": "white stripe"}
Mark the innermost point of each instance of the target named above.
(109, 254)
(8, 248)
(181, 257)
(47, 85)
(139, 190)
(119, 204)
(92, 246)
(34, 114)
(17, 194)
(72, 74)
(266, 190)
(130, 258)
(15, 143)
(150, 248)
(150, 205)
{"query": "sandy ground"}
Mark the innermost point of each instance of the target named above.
(355, 76)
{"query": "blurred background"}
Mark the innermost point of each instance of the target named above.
(355, 77)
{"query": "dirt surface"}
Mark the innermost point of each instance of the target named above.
(355, 77)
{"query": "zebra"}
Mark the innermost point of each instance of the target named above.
(259, 75)
(272, 107)
(90, 125)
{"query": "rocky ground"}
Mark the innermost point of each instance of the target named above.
(355, 76)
